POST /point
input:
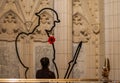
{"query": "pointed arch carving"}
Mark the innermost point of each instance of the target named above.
(10, 26)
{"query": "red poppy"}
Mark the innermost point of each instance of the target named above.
(51, 39)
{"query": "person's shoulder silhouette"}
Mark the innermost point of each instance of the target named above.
(45, 72)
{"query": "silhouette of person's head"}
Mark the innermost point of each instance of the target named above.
(44, 62)
(43, 15)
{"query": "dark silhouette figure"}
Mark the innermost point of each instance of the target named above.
(45, 72)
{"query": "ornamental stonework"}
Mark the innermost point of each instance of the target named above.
(86, 28)
(81, 30)
(10, 25)
(20, 17)
(85, 20)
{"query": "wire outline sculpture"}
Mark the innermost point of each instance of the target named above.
(47, 31)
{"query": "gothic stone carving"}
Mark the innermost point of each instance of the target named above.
(81, 31)
(86, 28)
(10, 25)
(85, 14)
(19, 16)
(13, 22)
(77, 3)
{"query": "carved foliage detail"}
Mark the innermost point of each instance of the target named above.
(10, 1)
(44, 2)
(10, 18)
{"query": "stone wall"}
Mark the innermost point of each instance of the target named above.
(80, 21)
(86, 28)
(112, 33)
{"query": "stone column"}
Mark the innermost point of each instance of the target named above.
(63, 35)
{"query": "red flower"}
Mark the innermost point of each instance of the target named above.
(51, 39)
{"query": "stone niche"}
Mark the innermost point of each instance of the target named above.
(86, 28)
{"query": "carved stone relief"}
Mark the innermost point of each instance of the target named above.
(45, 3)
(12, 22)
(10, 26)
(86, 28)
(77, 3)
(90, 22)
(19, 16)
(81, 31)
